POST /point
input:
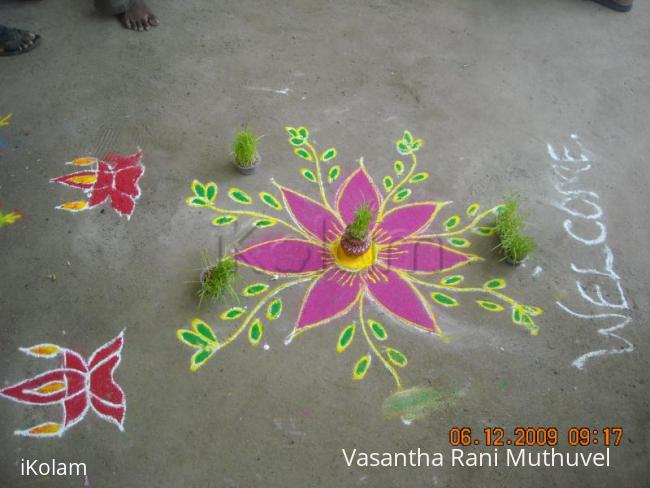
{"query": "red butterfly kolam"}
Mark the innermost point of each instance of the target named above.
(115, 178)
(78, 385)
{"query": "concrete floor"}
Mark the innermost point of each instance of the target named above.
(488, 84)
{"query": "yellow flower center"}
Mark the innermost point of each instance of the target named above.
(352, 263)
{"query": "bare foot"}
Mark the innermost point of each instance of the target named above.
(138, 17)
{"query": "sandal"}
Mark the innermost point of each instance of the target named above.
(17, 41)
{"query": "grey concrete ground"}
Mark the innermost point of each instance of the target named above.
(488, 84)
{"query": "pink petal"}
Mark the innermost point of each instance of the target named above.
(126, 180)
(121, 161)
(284, 257)
(423, 257)
(330, 296)
(74, 409)
(400, 298)
(122, 203)
(405, 221)
(358, 189)
(112, 347)
(312, 216)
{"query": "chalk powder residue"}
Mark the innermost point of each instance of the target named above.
(567, 169)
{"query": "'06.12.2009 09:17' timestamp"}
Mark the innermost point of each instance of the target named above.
(535, 436)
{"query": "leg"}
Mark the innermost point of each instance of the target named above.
(134, 14)
(138, 16)
(111, 7)
(619, 5)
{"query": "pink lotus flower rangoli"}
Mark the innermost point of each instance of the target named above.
(77, 385)
(402, 261)
(114, 178)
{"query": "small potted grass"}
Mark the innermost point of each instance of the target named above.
(244, 150)
(218, 280)
(514, 245)
(356, 239)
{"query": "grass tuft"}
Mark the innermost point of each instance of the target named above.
(358, 229)
(513, 243)
(244, 148)
(219, 280)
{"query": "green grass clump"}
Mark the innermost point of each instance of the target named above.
(219, 280)
(513, 243)
(358, 229)
(244, 147)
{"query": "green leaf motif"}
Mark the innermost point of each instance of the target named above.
(473, 209)
(203, 194)
(224, 220)
(274, 309)
(345, 337)
(420, 177)
(240, 196)
(396, 357)
(495, 284)
(328, 154)
(196, 202)
(498, 209)
(263, 223)
(200, 357)
(483, 231)
(255, 332)
(211, 191)
(232, 313)
(490, 306)
(533, 310)
(388, 183)
(198, 188)
(191, 338)
(444, 300)
(452, 222)
(361, 367)
(270, 200)
(296, 141)
(333, 173)
(452, 280)
(459, 242)
(298, 136)
(402, 195)
(520, 317)
(255, 289)
(398, 167)
(402, 148)
(308, 174)
(378, 330)
(302, 153)
(204, 330)
(408, 145)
